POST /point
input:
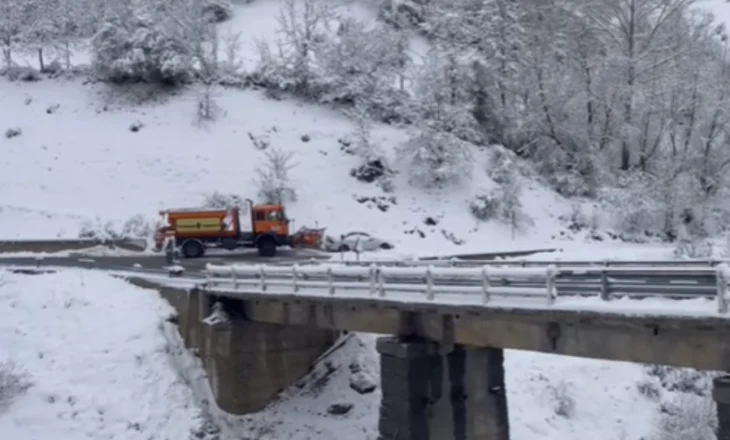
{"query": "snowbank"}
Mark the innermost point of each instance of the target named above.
(93, 352)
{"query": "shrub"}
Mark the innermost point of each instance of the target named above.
(436, 158)
(686, 418)
(13, 132)
(563, 402)
(218, 200)
(484, 206)
(13, 382)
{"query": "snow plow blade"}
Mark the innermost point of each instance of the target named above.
(308, 238)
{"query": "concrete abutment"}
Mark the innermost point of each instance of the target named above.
(247, 363)
(431, 394)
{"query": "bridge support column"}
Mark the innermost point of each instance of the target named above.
(431, 395)
(721, 396)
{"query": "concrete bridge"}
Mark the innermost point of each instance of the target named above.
(442, 370)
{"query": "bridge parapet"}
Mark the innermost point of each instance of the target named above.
(481, 284)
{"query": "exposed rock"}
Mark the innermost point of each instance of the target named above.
(340, 409)
(361, 383)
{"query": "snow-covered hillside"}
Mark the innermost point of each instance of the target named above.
(83, 355)
(87, 155)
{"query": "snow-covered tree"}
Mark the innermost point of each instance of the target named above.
(158, 41)
(362, 64)
(302, 25)
(441, 90)
(436, 158)
(10, 29)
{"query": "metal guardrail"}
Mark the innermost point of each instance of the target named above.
(549, 282)
(524, 263)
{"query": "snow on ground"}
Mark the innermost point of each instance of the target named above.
(86, 163)
(93, 352)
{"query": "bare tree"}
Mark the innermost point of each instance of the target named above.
(273, 178)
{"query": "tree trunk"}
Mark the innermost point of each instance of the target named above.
(40, 59)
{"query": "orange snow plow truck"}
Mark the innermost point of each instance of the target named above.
(195, 230)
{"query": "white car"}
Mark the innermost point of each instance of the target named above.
(361, 241)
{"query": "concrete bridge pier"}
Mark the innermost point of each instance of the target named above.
(435, 392)
(721, 396)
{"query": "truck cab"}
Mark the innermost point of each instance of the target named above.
(269, 228)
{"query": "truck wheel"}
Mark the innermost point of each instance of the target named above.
(193, 249)
(267, 247)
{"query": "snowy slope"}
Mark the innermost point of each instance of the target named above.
(94, 358)
(81, 162)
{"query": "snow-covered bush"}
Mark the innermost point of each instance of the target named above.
(218, 10)
(501, 203)
(649, 389)
(219, 200)
(441, 96)
(22, 73)
(273, 178)
(136, 227)
(562, 398)
(682, 380)
(158, 42)
(693, 248)
(436, 158)
(140, 51)
(13, 382)
(484, 206)
(686, 417)
(13, 132)
(504, 163)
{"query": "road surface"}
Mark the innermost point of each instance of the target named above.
(158, 262)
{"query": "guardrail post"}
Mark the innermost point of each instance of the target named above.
(429, 282)
(372, 278)
(234, 277)
(262, 277)
(295, 277)
(721, 288)
(381, 282)
(330, 281)
(550, 283)
(605, 286)
(38, 260)
(485, 284)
